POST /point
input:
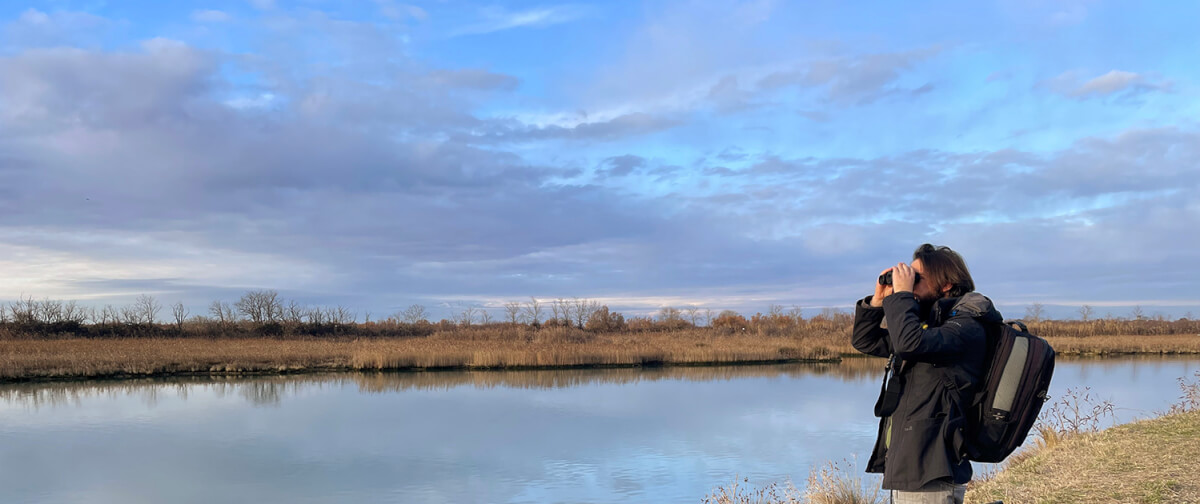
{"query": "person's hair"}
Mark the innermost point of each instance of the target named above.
(945, 267)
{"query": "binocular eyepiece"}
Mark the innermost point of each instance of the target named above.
(886, 278)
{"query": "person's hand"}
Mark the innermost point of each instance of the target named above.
(903, 277)
(881, 291)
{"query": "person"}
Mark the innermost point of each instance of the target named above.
(928, 324)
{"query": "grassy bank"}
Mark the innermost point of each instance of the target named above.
(1149, 461)
(515, 348)
(480, 347)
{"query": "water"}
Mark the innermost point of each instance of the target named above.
(621, 435)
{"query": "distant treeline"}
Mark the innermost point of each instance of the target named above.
(263, 313)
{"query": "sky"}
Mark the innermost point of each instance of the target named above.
(717, 153)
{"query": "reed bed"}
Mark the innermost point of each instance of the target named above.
(23, 359)
(378, 347)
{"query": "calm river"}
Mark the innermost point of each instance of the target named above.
(621, 435)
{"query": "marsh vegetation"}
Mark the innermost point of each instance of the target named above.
(261, 333)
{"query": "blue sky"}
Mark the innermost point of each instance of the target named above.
(723, 154)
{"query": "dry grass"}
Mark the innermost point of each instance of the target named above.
(518, 348)
(500, 346)
(1129, 344)
(843, 483)
(1149, 461)
(834, 483)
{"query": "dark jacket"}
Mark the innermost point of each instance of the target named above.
(938, 360)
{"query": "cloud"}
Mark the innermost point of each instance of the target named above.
(1115, 82)
(400, 11)
(853, 80)
(334, 165)
(211, 16)
(1055, 15)
(622, 126)
(35, 28)
(473, 79)
(728, 96)
(498, 19)
(620, 166)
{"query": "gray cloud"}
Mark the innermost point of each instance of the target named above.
(622, 126)
(619, 166)
(340, 179)
(853, 80)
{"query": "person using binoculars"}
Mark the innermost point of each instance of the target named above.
(927, 319)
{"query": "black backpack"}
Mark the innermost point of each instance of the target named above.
(1014, 388)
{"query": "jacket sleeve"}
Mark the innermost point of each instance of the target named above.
(868, 336)
(911, 339)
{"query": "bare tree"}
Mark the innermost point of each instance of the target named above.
(293, 312)
(1137, 313)
(147, 308)
(669, 314)
(223, 312)
(3, 314)
(24, 310)
(317, 315)
(512, 310)
(47, 311)
(72, 312)
(341, 315)
(560, 311)
(109, 315)
(1085, 313)
(179, 313)
(581, 309)
(415, 313)
(130, 315)
(774, 310)
(708, 317)
(796, 314)
(533, 311)
(1035, 312)
(466, 316)
(485, 318)
(260, 306)
(693, 314)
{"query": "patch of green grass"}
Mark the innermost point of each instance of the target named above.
(1158, 492)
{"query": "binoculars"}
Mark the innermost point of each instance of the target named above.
(886, 278)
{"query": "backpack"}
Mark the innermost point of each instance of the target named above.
(1012, 393)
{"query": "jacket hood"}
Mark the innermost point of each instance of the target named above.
(978, 306)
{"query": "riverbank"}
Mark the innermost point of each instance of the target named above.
(516, 348)
(1148, 461)
(25, 360)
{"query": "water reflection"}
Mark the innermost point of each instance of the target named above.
(602, 435)
(271, 390)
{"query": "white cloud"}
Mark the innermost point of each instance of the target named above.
(497, 19)
(211, 16)
(1073, 84)
(34, 17)
(399, 11)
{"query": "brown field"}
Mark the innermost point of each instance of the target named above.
(497, 346)
(513, 347)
